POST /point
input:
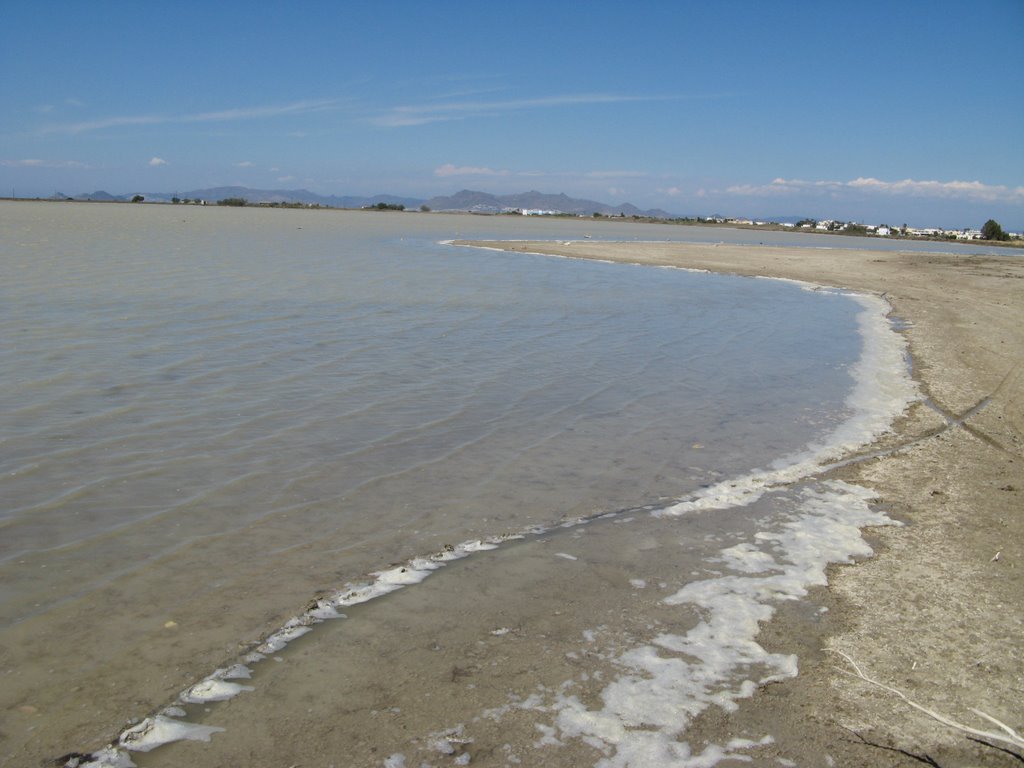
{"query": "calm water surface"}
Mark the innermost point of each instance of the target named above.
(209, 415)
(314, 380)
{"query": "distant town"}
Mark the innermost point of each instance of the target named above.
(877, 230)
(831, 226)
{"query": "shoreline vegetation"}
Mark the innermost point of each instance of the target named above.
(713, 222)
(937, 614)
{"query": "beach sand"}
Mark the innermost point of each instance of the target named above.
(938, 613)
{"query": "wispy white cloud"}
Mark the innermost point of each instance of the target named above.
(422, 114)
(245, 164)
(36, 163)
(781, 187)
(157, 161)
(448, 169)
(616, 174)
(963, 190)
(224, 115)
(956, 189)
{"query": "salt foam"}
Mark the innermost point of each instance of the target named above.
(882, 391)
(669, 681)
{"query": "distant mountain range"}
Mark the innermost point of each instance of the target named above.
(466, 200)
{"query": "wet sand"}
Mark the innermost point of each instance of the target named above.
(938, 613)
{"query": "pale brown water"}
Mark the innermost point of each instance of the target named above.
(209, 415)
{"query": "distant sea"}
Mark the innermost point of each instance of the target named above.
(220, 428)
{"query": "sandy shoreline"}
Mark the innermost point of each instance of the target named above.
(938, 613)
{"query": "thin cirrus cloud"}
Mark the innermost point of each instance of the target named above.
(224, 115)
(36, 163)
(970, 190)
(422, 114)
(616, 174)
(156, 161)
(448, 169)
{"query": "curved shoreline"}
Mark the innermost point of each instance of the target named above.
(881, 391)
(938, 612)
(836, 705)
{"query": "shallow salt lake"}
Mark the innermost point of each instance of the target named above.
(212, 416)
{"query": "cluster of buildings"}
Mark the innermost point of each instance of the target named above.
(879, 230)
(884, 230)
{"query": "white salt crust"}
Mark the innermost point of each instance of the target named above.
(159, 730)
(664, 684)
(882, 391)
(163, 728)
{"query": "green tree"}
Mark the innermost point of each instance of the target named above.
(992, 231)
(138, 199)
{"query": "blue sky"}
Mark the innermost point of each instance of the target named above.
(898, 112)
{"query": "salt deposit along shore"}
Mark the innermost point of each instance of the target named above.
(938, 613)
